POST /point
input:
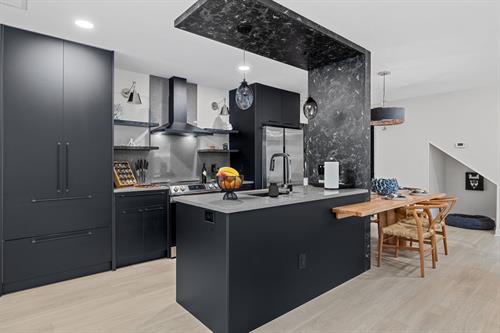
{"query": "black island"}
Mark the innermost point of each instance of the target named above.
(240, 264)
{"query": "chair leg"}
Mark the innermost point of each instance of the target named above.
(421, 251)
(380, 246)
(434, 251)
(445, 239)
(397, 247)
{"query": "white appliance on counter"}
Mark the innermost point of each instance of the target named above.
(331, 175)
(282, 140)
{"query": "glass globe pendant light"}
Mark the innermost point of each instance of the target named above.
(310, 108)
(244, 94)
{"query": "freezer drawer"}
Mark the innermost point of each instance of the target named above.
(25, 217)
(35, 257)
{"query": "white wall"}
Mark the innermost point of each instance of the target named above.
(123, 79)
(447, 175)
(466, 116)
(208, 118)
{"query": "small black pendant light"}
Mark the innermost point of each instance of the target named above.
(244, 94)
(310, 108)
(387, 115)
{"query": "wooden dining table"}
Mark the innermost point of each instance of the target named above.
(379, 205)
(387, 211)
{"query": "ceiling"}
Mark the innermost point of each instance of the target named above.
(431, 46)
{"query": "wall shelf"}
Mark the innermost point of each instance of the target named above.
(136, 148)
(134, 123)
(217, 151)
(221, 131)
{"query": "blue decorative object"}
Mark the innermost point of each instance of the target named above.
(385, 186)
(476, 222)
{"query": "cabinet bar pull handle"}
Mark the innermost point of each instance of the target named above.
(58, 168)
(67, 167)
(61, 199)
(141, 194)
(50, 239)
(153, 209)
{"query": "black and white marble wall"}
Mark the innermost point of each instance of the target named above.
(341, 130)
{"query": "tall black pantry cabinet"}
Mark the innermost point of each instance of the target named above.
(56, 139)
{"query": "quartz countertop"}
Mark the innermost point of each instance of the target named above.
(140, 189)
(246, 201)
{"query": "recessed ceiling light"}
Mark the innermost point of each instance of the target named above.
(244, 68)
(84, 24)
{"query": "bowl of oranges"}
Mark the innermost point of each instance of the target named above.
(229, 180)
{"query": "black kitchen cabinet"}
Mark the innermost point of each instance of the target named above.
(29, 261)
(276, 107)
(57, 156)
(141, 226)
(269, 104)
(290, 112)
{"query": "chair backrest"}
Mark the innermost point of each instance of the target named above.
(426, 207)
(450, 201)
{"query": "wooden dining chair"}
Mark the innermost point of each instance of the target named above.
(403, 230)
(440, 225)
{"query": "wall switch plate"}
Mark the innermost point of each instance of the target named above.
(302, 261)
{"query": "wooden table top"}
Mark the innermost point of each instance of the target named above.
(378, 205)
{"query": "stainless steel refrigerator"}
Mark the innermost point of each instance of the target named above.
(282, 140)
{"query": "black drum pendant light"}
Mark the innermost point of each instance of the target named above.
(387, 115)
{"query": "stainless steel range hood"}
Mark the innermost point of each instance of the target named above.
(177, 111)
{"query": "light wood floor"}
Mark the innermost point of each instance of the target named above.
(462, 295)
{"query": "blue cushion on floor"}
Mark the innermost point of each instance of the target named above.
(477, 222)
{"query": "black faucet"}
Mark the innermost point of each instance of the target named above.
(287, 177)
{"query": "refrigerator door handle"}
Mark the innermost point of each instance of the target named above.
(67, 167)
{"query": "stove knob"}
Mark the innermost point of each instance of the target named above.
(216, 186)
(210, 186)
(176, 189)
(183, 188)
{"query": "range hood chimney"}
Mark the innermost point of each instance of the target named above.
(177, 111)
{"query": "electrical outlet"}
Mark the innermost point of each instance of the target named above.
(209, 216)
(302, 261)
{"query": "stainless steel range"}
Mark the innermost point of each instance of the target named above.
(197, 188)
(178, 189)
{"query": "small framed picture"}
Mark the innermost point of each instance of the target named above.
(474, 181)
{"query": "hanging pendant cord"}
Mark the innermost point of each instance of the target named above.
(383, 94)
(244, 63)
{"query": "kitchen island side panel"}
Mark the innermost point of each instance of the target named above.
(201, 265)
(281, 258)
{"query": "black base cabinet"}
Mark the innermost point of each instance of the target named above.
(141, 226)
(56, 144)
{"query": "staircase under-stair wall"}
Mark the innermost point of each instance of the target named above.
(447, 175)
